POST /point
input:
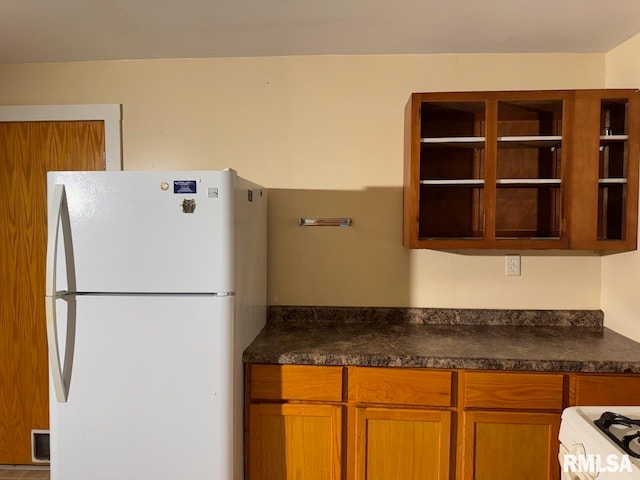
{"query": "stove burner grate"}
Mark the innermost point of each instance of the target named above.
(623, 431)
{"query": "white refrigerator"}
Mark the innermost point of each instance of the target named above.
(156, 282)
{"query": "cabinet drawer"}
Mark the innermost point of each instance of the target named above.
(400, 386)
(607, 390)
(513, 390)
(296, 382)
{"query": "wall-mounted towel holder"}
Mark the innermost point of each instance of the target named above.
(325, 222)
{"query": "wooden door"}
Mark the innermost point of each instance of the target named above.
(403, 444)
(295, 442)
(27, 151)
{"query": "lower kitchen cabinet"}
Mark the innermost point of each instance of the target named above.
(402, 444)
(403, 423)
(295, 442)
(373, 423)
(509, 445)
(510, 425)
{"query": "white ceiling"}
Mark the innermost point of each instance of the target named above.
(73, 30)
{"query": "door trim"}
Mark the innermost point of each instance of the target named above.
(110, 114)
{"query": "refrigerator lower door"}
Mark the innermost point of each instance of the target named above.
(150, 389)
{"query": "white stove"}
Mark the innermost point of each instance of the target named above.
(600, 443)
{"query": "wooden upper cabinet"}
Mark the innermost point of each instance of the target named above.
(604, 177)
(521, 170)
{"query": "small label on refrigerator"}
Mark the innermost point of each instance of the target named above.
(184, 186)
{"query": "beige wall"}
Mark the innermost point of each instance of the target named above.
(324, 134)
(621, 273)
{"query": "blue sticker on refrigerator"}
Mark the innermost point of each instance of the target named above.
(184, 186)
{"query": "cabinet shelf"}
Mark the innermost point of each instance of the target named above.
(533, 182)
(533, 141)
(452, 182)
(612, 181)
(612, 141)
(453, 142)
(614, 138)
(551, 182)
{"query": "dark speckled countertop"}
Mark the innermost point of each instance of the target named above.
(541, 340)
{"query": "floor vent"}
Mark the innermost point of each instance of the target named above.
(40, 451)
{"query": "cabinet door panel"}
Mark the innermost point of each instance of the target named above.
(295, 442)
(403, 444)
(509, 445)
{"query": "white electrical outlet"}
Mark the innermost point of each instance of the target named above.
(513, 266)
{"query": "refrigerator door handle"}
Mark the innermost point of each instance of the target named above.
(59, 214)
(54, 350)
(57, 209)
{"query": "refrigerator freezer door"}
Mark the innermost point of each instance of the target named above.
(148, 232)
(150, 391)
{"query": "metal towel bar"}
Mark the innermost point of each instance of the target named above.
(325, 222)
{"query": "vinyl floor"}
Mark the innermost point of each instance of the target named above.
(16, 473)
